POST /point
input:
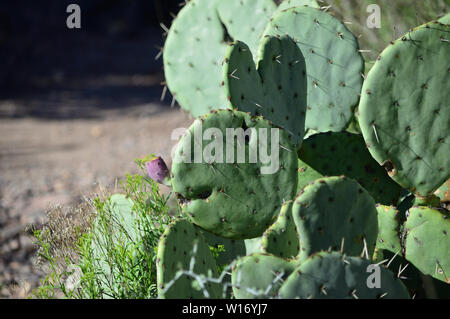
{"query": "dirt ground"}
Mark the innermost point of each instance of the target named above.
(46, 162)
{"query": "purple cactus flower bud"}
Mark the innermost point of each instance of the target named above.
(157, 170)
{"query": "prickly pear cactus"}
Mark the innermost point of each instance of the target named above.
(443, 192)
(259, 276)
(253, 245)
(197, 42)
(276, 90)
(445, 19)
(281, 239)
(334, 154)
(287, 4)
(233, 248)
(333, 62)
(120, 220)
(175, 253)
(336, 213)
(427, 243)
(335, 276)
(430, 201)
(389, 229)
(404, 109)
(234, 196)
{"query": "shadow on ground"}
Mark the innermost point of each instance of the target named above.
(51, 71)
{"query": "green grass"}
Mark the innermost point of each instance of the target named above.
(89, 252)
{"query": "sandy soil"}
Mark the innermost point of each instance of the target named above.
(45, 162)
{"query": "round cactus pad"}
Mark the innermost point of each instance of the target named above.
(342, 153)
(334, 65)
(175, 253)
(336, 213)
(276, 90)
(233, 185)
(336, 276)
(405, 109)
(427, 243)
(259, 276)
(196, 45)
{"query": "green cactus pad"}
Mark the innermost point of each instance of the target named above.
(389, 229)
(335, 154)
(445, 19)
(336, 276)
(122, 211)
(277, 90)
(404, 109)
(443, 192)
(334, 65)
(430, 200)
(255, 276)
(419, 285)
(334, 211)
(197, 42)
(427, 243)
(253, 245)
(287, 4)
(246, 20)
(233, 248)
(281, 239)
(234, 200)
(175, 251)
(121, 225)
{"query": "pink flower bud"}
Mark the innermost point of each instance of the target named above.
(157, 170)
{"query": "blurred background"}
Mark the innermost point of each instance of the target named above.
(77, 106)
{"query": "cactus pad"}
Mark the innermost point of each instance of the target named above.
(334, 212)
(334, 154)
(405, 110)
(336, 276)
(333, 63)
(256, 276)
(443, 192)
(445, 19)
(389, 229)
(175, 251)
(234, 199)
(253, 245)
(281, 239)
(277, 90)
(287, 4)
(427, 243)
(196, 45)
(233, 248)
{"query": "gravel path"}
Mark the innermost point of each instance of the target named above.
(49, 162)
